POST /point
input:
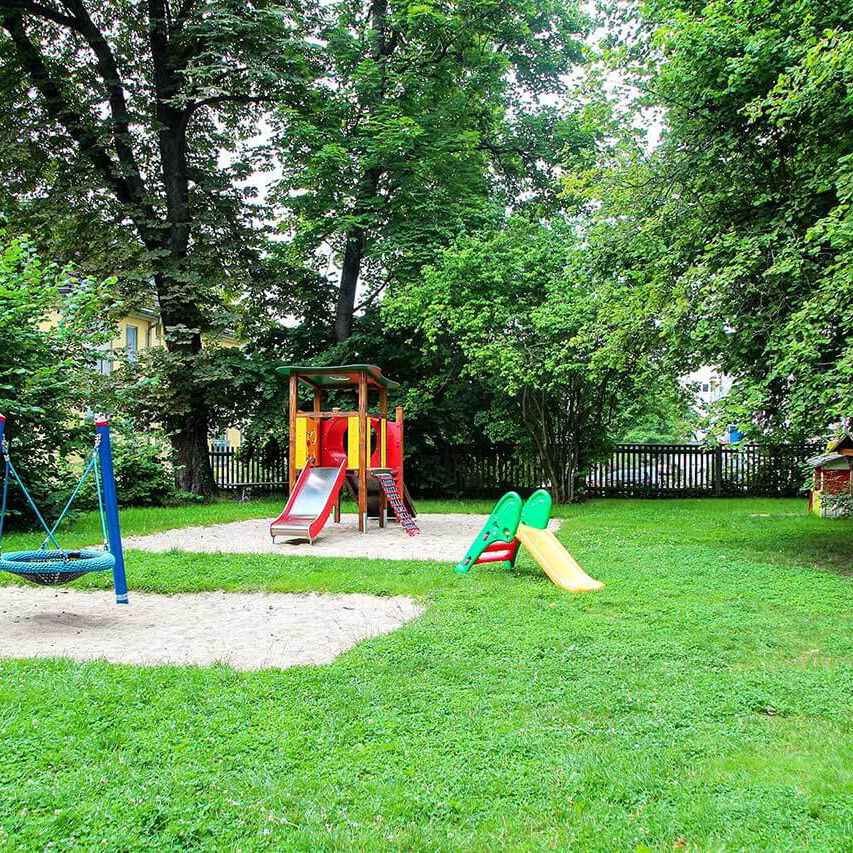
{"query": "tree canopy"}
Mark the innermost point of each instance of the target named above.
(432, 115)
(126, 140)
(742, 212)
(518, 309)
(456, 190)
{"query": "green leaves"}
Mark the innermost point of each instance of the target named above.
(51, 324)
(520, 309)
(427, 119)
(741, 215)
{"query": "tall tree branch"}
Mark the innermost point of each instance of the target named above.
(213, 100)
(47, 12)
(82, 129)
(111, 76)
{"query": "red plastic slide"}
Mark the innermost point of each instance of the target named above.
(310, 503)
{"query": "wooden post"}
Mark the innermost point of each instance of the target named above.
(383, 417)
(294, 404)
(362, 451)
(718, 471)
(318, 439)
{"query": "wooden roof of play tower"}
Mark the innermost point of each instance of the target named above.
(339, 376)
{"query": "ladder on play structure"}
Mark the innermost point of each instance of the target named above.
(389, 485)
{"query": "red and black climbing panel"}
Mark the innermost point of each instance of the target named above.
(389, 485)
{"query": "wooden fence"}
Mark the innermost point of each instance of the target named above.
(687, 470)
(632, 470)
(236, 471)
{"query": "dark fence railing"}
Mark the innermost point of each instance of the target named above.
(631, 470)
(670, 470)
(472, 473)
(235, 470)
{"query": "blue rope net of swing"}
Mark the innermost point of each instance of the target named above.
(50, 564)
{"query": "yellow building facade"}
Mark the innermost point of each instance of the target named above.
(140, 330)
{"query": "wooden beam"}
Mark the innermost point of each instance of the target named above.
(362, 452)
(318, 432)
(327, 415)
(294, 406)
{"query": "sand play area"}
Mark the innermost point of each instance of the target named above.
(444, 537)
(245, 631)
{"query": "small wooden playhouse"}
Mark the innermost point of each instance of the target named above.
(833, 474)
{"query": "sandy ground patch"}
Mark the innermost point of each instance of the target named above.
(444, 537)
(245, 631)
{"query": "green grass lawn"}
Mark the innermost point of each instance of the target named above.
(701, 700)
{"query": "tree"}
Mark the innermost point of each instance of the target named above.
(742, 214)
(431, 118)
(517, 307)
(50, 326)
(125, 135)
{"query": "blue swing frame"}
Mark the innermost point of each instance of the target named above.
(73, 564)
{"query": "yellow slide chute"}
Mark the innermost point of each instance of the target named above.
(555, 560)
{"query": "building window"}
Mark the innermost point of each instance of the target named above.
(220, 442)
(104, 363)
(131, 342)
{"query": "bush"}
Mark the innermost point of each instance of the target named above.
(837, 506)
(143, 476)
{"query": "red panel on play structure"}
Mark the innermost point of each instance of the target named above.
(333, 449)
(499, 552)
(393, 446)
(333, 443)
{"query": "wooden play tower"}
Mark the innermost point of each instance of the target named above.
(363, 449)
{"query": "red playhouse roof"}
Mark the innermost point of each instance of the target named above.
(841, 448)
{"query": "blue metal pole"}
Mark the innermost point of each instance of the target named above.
(2, 428)
(105, 457)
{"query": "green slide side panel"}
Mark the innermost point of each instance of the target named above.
(501, 527)
(537, 510)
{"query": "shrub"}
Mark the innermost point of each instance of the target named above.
(143, 471)
(837, 506)
(143, 477)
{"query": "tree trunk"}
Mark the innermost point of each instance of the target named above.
(350, 270)
(191, 459)
(366, 194)
(189, 421)
(555, 425)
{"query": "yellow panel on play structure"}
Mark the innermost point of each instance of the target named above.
(301, 441)
(352, 442)
(306, 441)
(383, 444)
